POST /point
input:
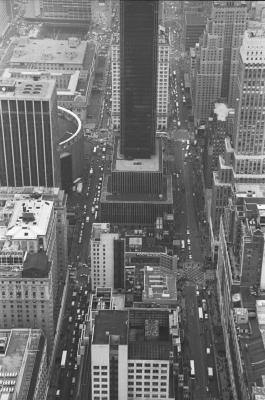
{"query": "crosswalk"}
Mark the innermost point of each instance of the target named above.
(194, 273)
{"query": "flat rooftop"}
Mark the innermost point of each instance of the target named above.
(25, 219)
(31, 192)
(23, 89)
(112, 322)
(49, 51)
(12, 361)
(149, 337)
(67, 81)
(253, 354)
(250, 190)
(195, 19)
(159, 284)
(108, 196)
(152, 164)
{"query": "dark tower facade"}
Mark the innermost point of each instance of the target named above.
(138, 76)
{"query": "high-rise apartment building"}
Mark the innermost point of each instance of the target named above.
(132, 354)
(28, 133)
(107, 257)
(28, 264)
(23, 364)
(162, 81)
(218, 57)
(138, 76)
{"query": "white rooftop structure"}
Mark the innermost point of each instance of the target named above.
(25, 219)
(22, 89)
(253, 47)
(69, 89)
(255, 190)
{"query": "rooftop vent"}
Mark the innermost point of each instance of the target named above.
(28, 217)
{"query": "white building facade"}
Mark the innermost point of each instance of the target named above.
(102, 256)
(162, 82)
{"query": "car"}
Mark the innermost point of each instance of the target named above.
(179, 123)
(75, 367)
(190, 256)
(188, 231)
(188, 241)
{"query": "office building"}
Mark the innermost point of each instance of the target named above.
(249, 140)
(197, 6)
(194, 25)
(59, 198)
(101, 13)
(53, 55)
(217, 62)
(73, 83)
(115, 77)
(65, 12)
(159, 286)
(4, 17)
(219, 126)
(136, 191)
(132, 354)
(244, 157)
(107, 257)
(28, 133)
(138, 77)
(240, 282)
(28, 264)
(23, 364)
(162, 81)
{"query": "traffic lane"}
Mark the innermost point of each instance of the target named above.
(180, 195)
(193, 333)
(174, 162)
(191, 215)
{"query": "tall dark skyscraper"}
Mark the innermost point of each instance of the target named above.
(138, 78)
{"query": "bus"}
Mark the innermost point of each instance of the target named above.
(96, 215)
(183, 244)
(210, 372)
(95, 150)
(200, 313)
(192, 368)
(63, 360)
